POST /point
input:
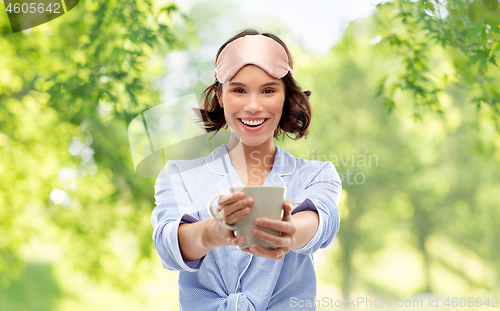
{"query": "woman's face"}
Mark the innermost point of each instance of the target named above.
(253, 97)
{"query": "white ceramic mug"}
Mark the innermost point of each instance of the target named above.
(268, 203)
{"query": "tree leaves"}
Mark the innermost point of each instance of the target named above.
(418, 26)
(102, 54)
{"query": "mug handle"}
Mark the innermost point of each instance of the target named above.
(211, 212)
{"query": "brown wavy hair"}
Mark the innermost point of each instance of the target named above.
(296, 115)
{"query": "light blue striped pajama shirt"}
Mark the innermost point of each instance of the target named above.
(227, 278)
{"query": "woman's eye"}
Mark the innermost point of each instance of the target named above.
(241, 91)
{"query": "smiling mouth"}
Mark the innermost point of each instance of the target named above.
(253, 125)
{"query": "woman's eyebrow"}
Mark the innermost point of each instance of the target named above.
(242, 84)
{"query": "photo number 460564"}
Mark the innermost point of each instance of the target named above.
(33, 8)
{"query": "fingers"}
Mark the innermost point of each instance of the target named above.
(276, 241)
(237, 241)
(284, 225)
(282, 243)
(287, 208)
(277, 225)
(241, 213)
(233, 207)
(273, 254)
(229, 199)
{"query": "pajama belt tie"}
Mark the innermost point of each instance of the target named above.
(237, 299)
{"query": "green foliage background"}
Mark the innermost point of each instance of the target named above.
(407, 100)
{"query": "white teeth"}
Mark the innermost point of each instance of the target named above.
(251, 122)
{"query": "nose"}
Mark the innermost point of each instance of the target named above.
(253, 105)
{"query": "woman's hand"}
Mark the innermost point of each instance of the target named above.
(230, 209)
(282, 243)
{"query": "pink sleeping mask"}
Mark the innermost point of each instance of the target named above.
(256, 50)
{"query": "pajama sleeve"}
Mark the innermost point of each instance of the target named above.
(172, 200)
(321, 193)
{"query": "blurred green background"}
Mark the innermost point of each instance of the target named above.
(405, 104)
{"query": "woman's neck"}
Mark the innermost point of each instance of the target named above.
(245, 158)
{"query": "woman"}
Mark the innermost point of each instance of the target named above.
(256, 96)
